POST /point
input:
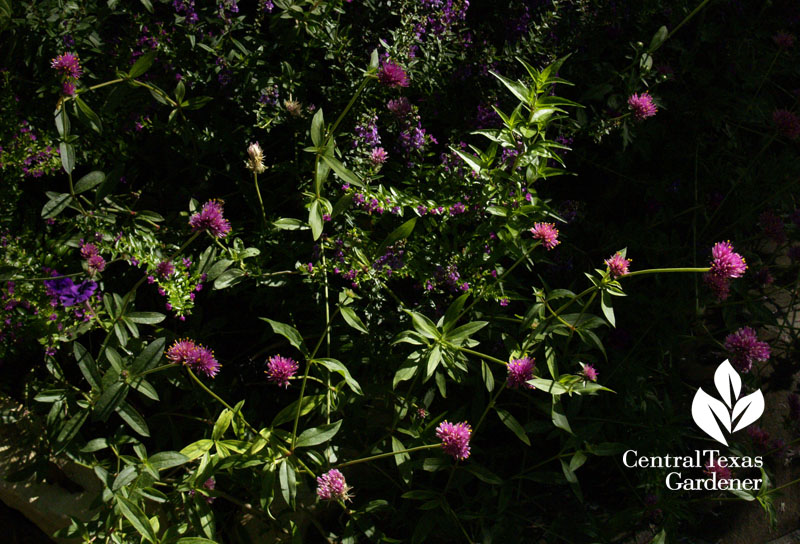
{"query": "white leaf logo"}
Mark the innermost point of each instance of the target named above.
(712, 415)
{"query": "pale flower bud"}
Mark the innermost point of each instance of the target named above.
(256, 160)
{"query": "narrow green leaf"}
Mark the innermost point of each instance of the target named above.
(317, 124)
(196, 449)
(146, 318)
(89, 181)
(288, 223)
(400, 233)
(222, 424)
(608, 310)
(71, 428)
(514, 425)
(133, 418)
(138, 519)
(423, 325)
(91, 116)
(167, 459)
(353, 320)
(87, 365)
(658, 38)
(336, 366)
(318, 435)
(343, 173)
(465, 331)
(125, 476)
(559, 417)
(109, 400)
(315, 219)
(453, 311)
(149, 356)
(56, 205)
(142, 65)
(288, 483)
(288, 332)
(310, 402)
(67, 152)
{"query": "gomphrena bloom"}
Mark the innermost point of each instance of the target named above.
(589, 373)
(617, 265)
(714, 468)
(196, 357)
(455, 438)
(68, 65)
(392, 75)
(519, 372)
(727, 263)
(642, 105)
(547, 233)
(210, 218)
(280, 369)
(255, 161)
(378, 156)
(331, 486)
(746, 349)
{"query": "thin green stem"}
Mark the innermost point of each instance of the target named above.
(205, 388)
(260, 201)
(688, 18)
(783, 486)
(346, 109)
(156, 369)
(387, 454)
(478, 354)
(489, 407)
(49, 277)
(665, 270)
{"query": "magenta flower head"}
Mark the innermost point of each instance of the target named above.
(280, 369)
(96, 264)
(455, 438)
(165, 269)
(642, 105)
(378, 156)
(547, 233)
(392, 75)
(589, 372)
(519, 372)
(210, 218)
(196, 357)
(745, 349)
(617, 265)
(68, 65)
(714, 468)
(719, 285)
(331, 486)
(727, 263)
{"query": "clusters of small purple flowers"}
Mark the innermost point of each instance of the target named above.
(94, 261)
(725, 265)
(455, 438)
(210, 219)
(617, 265)
(642, 105)
(280, 370)
(367, 132)
(165, 269)
(392, 75)
(412, 137)
(746, 349)
(13, 308)
(519, 372)
(186, 7)
(391, 260)
(441, 18)
(787, 123)
(547, 233)
(332, 486)
(451, 277)
(269, 96)
(194, 356)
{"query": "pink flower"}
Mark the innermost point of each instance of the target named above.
(378, 156)
(746, 349)
(68, 65)
(642, 105)
(617, 265)
(96, 264)
(195, 356)
(519, 372)
(455, 438)
(210, 218)
(165, 269)
(392, 75)
(714, 468)
(332, 486)
(726, 262)
(280, 369)
(589, 373)
(547, 233)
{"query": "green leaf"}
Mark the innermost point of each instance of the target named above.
(317, 435)
(218, 268)
(149, 356)
(222, 424)
(484, 474)
(343, 173)
(67, 152)
(288, 483)
(658, 38)
(146, 318)
(315, 219)
(125, 476)
(517, 89)
(608, 311)
(91, 116)
(405, 372)
(559, 417)
(137, 518)
(310, 402)
(434, 359)
(56, 205)
(109, 400)
(469, 159)
(317, 124)
(180, 91)
(336, 366)
(229, 278)
(167, 459)
(423, 325)
(548, 386)
(62, 122)
(196, 449)
(400, 233)
(661, 538)
(465, 331)
(95, 445)
(453, 311)
(198, 102)
(133, 418)
(71, 428)
(352, 319)
(89, 181)
(195, 540)
(289, 223)
(87, 365)
(288, 332)
(512, 423)
(142, 65)
(147, 5)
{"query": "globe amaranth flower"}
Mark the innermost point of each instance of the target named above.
(210, 218)
(589, 372)
(96, 264)
(455, 438)
(519, 372)
(642, 105)
(195, 356)
(547, 233)
(727, 263)
(714, 468)
(617, 265)
(332, 486)
(745, 349)
(255, 162)
(68, 65)
(378, 156)
(392, 75)
(280, 369)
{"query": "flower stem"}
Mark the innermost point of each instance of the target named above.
(478, 354)
(205, 388)
(260, 201)
(387, 454)
(661, 270)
